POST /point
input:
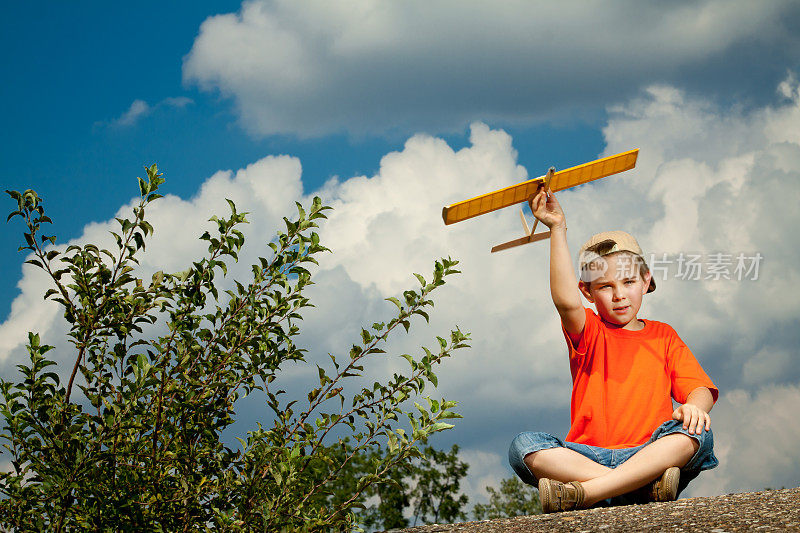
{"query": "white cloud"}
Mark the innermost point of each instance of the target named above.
(719, 181)
(755, 440)
(769, 365)
(486, 469)
(177, 101)
(708, 180)
(140, 109)
(137, 110)
(312, 67)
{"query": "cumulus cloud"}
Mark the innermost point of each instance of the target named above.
(310, 68)
(137, 110)
(755, 440)
(721, 182)
(709, 180)
(140, 109)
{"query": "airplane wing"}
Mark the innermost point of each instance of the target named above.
(520, 192)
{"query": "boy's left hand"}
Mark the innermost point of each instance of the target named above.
(694, 419)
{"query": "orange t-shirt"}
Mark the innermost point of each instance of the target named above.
(622, 382)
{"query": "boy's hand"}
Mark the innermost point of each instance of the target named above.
(546, 209)
(694, 419)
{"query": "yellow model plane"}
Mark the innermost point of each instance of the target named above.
(523, 192)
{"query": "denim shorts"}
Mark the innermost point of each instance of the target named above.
(529, 442)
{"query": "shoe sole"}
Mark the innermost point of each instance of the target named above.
(668, 488)
(545, 495)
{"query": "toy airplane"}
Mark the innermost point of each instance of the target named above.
(523, 192)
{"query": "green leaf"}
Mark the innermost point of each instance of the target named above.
(395, 301)
(440, 426)
(313, 394)
(366, 336)
(434, 405)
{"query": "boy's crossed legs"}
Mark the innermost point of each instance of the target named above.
(601, 482)
(604, 473)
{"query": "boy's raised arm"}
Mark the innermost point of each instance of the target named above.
(563, 284)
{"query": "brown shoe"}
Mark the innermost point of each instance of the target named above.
(556, 496)
(665, 488)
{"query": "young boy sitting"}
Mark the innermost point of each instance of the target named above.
(626, 443)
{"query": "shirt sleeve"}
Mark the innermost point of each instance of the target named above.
(685, 372)
(587, 336)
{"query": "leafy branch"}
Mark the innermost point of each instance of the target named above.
(162, 364)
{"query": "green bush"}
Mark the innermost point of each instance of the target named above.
(139, 447)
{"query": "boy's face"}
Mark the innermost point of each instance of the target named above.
(617, 291)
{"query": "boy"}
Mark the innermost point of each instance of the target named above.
(626, 443)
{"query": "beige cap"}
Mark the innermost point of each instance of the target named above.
(606, 243)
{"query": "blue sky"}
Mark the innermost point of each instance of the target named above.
(444, 101)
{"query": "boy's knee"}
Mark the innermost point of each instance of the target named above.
(523, 446)
(689, 444)
(678, 447)
(531, 441)
(697, 449)
(705, 439)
